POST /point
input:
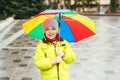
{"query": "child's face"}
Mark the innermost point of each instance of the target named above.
(50, 32)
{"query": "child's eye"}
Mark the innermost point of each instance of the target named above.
(53, 29)
(46, 29)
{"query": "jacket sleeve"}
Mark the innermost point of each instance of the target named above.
(40, 59)
(69, 55)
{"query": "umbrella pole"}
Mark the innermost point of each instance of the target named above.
(59, 24)
(59, 20)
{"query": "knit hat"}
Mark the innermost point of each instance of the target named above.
(50, 22)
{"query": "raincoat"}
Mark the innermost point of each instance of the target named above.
(44, 55)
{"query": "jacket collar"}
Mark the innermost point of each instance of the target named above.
(45, 41)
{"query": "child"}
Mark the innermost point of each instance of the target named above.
(53, 53)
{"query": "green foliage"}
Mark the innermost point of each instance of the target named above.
(21, 9)
(3, 9)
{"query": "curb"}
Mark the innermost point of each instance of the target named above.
(95, 14)
(5, 23)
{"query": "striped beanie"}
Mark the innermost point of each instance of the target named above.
(50, 22)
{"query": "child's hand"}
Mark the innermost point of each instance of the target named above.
(57, 60)
(60, 53)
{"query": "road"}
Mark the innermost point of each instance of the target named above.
(98, 57)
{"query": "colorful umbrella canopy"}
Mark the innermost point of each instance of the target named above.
(72, 26)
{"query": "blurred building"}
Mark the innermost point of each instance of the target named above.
(86, 6)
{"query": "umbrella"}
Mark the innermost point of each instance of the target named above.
(73, 27)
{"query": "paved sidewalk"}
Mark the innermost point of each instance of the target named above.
(97, 56)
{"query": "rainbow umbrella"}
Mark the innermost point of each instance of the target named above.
(72, 26)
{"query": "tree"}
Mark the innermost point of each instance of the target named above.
(113, 6)
(21, 9)
(4, 13)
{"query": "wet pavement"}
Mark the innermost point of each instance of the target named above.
(98, 57)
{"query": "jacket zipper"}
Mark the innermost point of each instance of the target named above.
(56, 64)
(58, 71)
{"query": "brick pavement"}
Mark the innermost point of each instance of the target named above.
(97, 57)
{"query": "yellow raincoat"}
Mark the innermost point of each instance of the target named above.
(44, 56)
